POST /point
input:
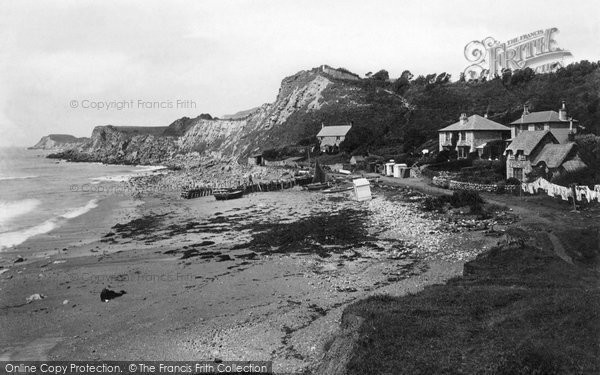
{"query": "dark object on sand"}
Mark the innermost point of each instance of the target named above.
(225, 194)
(107, 294)
(19, 260)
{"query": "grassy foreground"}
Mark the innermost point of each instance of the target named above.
(517, 310)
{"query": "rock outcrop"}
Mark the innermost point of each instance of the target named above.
(116, 145)
(58, 142)
(305, 100)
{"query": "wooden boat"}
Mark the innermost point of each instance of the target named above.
(316, 186)
(337, 189)
(225, 194)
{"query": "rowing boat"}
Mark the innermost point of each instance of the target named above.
(225, 194)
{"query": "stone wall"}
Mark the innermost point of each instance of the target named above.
(459, 185)
(339, 74)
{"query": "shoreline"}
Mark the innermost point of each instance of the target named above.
(177, 261)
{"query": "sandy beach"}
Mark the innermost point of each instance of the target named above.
(264, 277)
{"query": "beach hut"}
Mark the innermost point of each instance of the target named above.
(362, 189)
(397, 170)
(389, 168)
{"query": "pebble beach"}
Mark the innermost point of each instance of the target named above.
(264, 277)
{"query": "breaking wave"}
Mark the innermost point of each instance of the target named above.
(10, 239)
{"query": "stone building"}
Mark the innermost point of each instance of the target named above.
(558, 123)
(471, 134)
(540, 149)
(330, 137)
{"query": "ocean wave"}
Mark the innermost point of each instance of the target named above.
(10, 239)
(12, 209)
(119, 178)
(6, 178)
(140, 170)
(150, 168)
(81, 210)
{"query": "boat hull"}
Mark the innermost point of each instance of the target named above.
(316, 186)
(226, 195)
(337, 189)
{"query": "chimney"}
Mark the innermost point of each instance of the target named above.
(525, 109)
(562, 112)
(463, 118)
(485, 115)
(322, 125)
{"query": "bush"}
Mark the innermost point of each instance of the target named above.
(513, 181)
(471, 198)
(501, 187)
(434, 203)
(583, 177)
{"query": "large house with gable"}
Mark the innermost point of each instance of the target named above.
(558, 123)
(542, 140)
(471, 134)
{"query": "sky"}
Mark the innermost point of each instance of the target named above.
(62, 63)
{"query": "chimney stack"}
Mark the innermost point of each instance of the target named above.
(525, 109)
(322, 125)
(562, 112)
(463, 118)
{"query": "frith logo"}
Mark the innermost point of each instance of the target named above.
(536, 50)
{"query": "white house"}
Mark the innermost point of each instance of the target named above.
(330, 137)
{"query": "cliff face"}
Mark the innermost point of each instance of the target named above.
(58, 142)
(114, 145)
(305, 99)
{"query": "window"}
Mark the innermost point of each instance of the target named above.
(448, 137)
(462, 152)
(518, 173)
(539, 126)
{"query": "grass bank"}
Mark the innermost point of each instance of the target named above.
(517, 309)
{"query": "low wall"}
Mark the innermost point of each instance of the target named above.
(484, 188)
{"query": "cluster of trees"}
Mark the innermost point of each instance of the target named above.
(435, 102)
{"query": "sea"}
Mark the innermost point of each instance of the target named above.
(39, 195)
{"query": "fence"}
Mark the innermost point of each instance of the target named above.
(253, 188)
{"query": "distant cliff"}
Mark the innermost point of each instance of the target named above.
(305, 100)
(123, 145)
(58, 142)
(391, 117)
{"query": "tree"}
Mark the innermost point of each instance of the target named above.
(401, 85)
(357, 136)
(407, 75)
(522, 76)
(442, 78)
(506, 76)
(381, 75)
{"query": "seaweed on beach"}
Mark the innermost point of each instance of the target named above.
(321, 233)
(144, 226)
